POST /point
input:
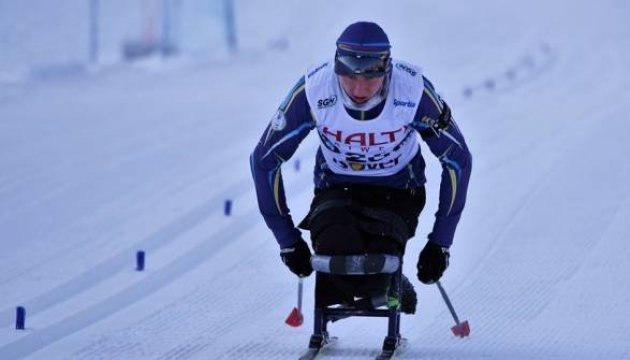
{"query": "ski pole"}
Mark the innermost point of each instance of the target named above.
(300, 288)
(460, 329)
(296, 318)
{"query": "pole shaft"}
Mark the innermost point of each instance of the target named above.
(300, 288)
(448, 302)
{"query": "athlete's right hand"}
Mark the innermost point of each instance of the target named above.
(297, 258)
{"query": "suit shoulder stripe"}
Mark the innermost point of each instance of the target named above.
(430, 92)
(295, 91)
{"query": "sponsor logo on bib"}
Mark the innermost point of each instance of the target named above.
(407, 103)
(407, 69)
(327, 102)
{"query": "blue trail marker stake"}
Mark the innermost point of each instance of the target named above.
(228, 207)
(20, 318)
(140, 261)
(511, 74)
(489, 84)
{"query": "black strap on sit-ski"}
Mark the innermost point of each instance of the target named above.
(383, 222)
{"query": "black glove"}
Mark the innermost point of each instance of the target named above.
(432, 262)
(298, 258)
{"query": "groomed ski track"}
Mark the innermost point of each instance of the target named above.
(540, 261)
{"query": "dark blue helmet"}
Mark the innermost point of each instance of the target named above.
(363, 49)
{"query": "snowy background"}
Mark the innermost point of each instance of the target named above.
(105, 160)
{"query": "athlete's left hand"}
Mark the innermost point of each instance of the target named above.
(432, 262)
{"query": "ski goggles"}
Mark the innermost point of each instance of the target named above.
(370, 65)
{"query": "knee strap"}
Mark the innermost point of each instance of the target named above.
(370, 220)
(356, 264)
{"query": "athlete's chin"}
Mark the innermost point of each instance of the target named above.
(360, 100)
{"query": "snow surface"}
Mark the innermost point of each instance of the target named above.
(97, 165)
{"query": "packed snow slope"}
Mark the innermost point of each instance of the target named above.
(96, 166)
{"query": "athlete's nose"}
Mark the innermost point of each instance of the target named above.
(361, 90)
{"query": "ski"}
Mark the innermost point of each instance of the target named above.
(385, 354)
(316, 345)
(310, 354)
(390, 348)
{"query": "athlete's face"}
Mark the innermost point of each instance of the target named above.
(360, 88)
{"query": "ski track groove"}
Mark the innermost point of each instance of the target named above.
(49, 183)
(120, 261)
(219, 312)
(517, 301)
(152, 283)
(127, 296)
